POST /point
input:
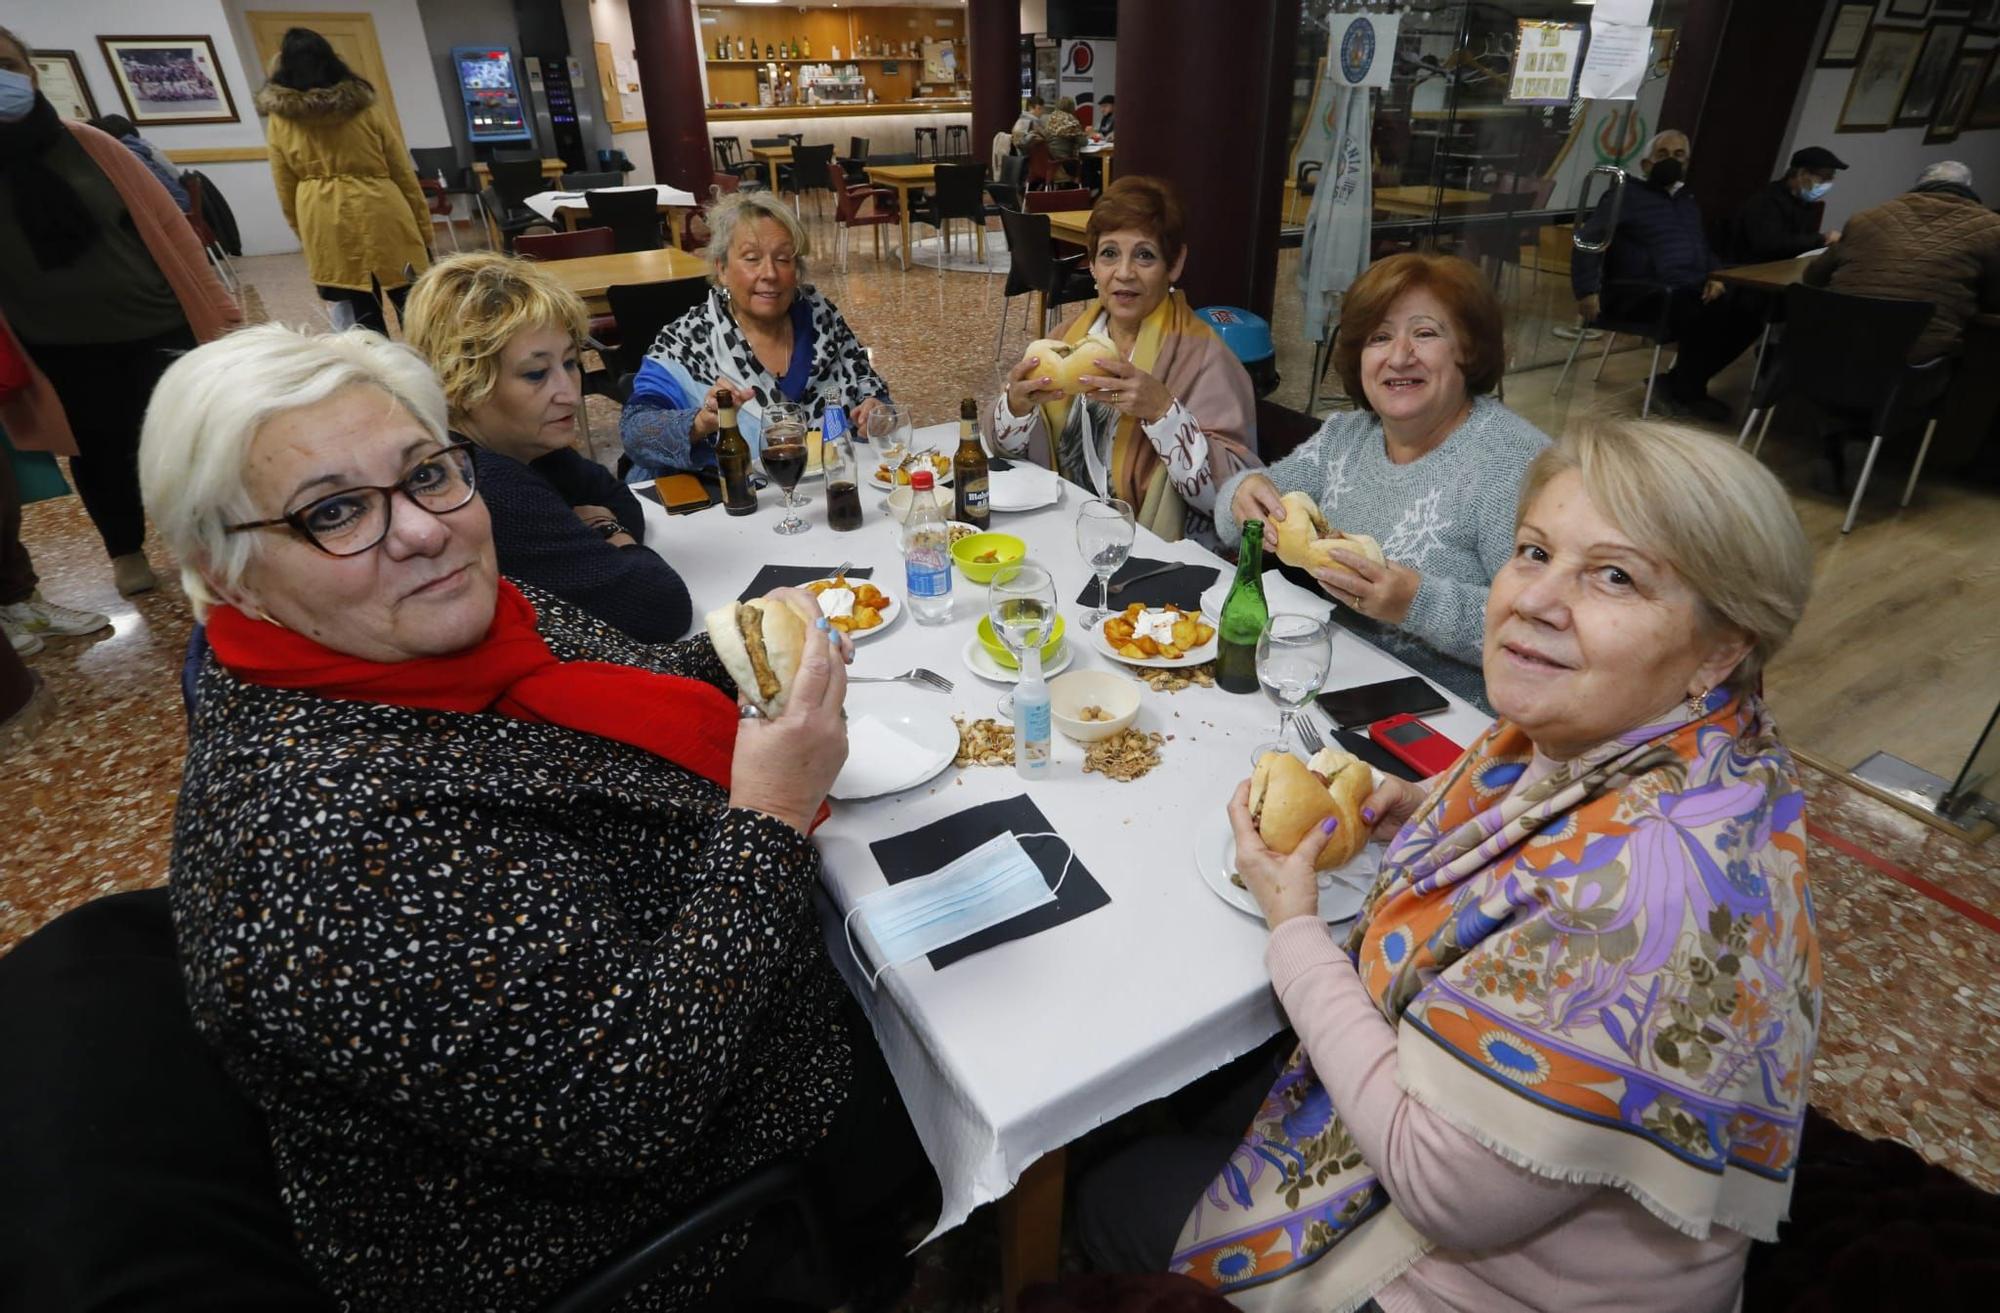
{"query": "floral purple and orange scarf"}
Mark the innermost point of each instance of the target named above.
(1609, 976)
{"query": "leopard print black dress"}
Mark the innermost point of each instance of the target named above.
(509, 995)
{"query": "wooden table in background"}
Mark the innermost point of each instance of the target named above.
(552, 170)
(904, 178)
(1771, 276)
(772, 157)
(1416, 202)
(1069, 225)
(1101, 153)
(589, 275)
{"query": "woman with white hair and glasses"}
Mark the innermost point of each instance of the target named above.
(1562, 1059)
(762, 337)
(503, 920)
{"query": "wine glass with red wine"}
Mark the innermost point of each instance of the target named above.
(784, 457)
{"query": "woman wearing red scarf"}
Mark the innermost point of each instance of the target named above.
(503, 919)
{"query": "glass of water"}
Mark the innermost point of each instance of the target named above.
(1021, 606)
(1294, 654)
(1104, 534)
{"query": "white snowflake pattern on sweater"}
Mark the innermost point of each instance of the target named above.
(1421, 529)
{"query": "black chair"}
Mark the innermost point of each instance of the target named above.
(1032, 267)
(505, 224)
(1850, 355)
(1008, 189)
(642, 310)
(812, 171)
(955, 194)
(855, 163)
(729, 159)
(958, 141)
(927, 144)
(592, 181)
(516, 180)
(1645, 313)
(632, 216)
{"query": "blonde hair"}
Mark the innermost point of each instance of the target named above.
(464, 311)
(738, 208)
(1712, 511)
(208, 408)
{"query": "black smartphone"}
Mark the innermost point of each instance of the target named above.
(1357, 708)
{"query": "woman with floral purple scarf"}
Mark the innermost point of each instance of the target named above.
(1561, 1061)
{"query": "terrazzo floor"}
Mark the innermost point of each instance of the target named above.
(1909, 917)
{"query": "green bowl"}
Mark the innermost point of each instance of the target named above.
(1005, 659)
(1005, 546)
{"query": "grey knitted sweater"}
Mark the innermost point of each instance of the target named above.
(1449, 516)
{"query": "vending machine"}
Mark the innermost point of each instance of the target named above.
(552, 95)
(494, 112)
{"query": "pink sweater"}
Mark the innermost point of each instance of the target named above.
(1506, 1239)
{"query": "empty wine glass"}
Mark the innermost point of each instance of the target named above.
(1104, 533)
(1294, 654)
(889, 430)
(783, 452)
(1021, 607)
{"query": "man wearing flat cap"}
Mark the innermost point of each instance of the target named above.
(1781, 221)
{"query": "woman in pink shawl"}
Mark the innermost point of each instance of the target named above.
(1161, 428)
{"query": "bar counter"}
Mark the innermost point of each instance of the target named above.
(890, 128)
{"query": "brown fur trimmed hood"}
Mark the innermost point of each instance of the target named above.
(342, 100)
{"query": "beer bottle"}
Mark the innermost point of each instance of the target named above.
(1244, 615)
(732, 457)
(968, 471)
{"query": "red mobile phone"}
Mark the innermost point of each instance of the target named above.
(1410, 740)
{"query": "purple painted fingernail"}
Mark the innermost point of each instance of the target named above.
(1329, 825)
(1368, 814)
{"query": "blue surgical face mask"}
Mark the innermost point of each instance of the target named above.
(17, 95)
(1817, 191)
(995, 882)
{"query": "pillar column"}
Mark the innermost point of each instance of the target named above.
(994, 29)
(668, 52)
(1199, 84)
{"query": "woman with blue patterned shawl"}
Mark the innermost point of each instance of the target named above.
(762, 336)
(1561, 1059)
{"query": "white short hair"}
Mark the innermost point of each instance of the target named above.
(1946, 171)
(208, 408)
(738, 208)
(1658, 137)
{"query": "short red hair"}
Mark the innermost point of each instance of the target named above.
(1474, 310)
(1141, 204)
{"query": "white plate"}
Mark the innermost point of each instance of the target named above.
(877, 482)
(1193, 657)
(933, 745)
(889, 612)
(983, 665)
(1341, 891)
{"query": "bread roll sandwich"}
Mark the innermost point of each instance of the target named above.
(1289, 797)
(1307, 541)
(1067, 363)
(760, 643)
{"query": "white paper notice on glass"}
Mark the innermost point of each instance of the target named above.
(1634, 12)
(1615, 64)
(1545, 62)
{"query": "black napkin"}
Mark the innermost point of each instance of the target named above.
(940, 843)
(1182, 587)
(791, 576)
(998, 463)
(1376, 755)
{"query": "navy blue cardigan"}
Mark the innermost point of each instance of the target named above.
(541, 541)
(1659, 239)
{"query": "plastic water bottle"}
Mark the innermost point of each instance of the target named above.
(1031, 718)
(926, 554)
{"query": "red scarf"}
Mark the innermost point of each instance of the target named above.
(510, 671)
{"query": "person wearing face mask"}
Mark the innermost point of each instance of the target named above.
(1780, 222)
(505, 339)
(1167, 424)
(1428, 465)
(1659, 250)
(101, 283)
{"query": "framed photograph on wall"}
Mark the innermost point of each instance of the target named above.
(169, 79)
(1882, 70)
(61, 76)
(1934, 65)
(1956, 101)
(1844, 37)
(1985, 111)
(1903, 11)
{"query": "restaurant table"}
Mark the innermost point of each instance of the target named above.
(589, 275)
(1101, 151)
(1069, 225)
(1771, 276)
(772, 156)
(904, 178)
(567, 207)
(1421, 201)
(1005, 1057)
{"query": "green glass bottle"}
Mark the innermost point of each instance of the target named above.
(1244, 615)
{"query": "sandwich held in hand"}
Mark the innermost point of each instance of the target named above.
(1289, 797)
(760, 643)
(1307, 541)
(1068, 363)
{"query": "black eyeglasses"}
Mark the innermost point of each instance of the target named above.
(349, 522)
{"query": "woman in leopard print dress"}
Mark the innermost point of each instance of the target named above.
(498, 915)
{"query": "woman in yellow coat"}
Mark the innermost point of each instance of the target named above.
(344, 177)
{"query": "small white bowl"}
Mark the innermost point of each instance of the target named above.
(1113, 693)
(899, 502)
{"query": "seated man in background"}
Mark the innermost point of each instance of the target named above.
(1659, 240)
(1029, 125)
(1107, 116)
(1780, 222)
(1936, 242)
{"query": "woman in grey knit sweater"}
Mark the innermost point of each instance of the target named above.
(1431, 467)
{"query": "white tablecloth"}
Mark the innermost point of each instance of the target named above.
(1021, 1049)
(544, 203)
